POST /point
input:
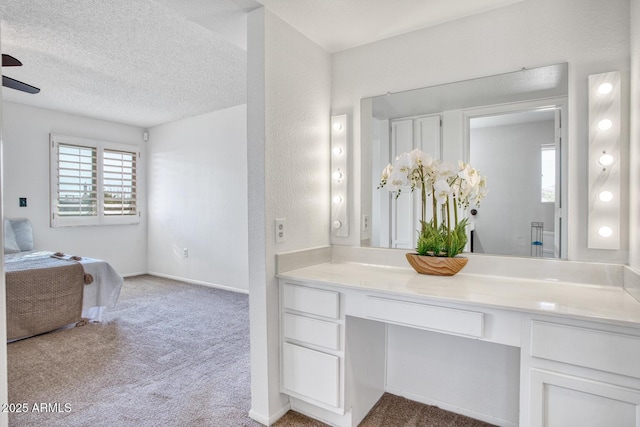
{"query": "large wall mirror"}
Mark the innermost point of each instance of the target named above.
(508, 126)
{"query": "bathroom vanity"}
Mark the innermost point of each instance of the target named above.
(510, 341)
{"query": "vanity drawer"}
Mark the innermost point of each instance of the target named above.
(589, 348)
(312, 331)
(311, 300)
(311, 374)
(424, 316)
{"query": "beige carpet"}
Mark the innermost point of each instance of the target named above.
(394, 411)
(397, 411)
(170, 354)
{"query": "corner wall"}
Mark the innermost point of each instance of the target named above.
(592, 36)
(288, 158)
(198, 199)
(26, 174)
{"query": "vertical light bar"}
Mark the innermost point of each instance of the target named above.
(339, 175)
(604, 161)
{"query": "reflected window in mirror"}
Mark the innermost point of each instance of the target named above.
(548, 173)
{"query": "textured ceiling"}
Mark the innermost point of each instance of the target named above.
(147, 62)
(140, 62)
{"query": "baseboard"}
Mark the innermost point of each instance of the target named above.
(453, 408)
(199, 282)
(324, 415)
(134, 274)
(269, 420)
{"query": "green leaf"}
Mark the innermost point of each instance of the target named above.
(438, 241)
(430, 240)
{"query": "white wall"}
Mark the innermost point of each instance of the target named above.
(197, 179)
(634, 188)
(477, 378)
(288, 156)
(510, 156)
(593, 36)
(26, 174)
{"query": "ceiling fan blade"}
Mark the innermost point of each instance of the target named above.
(10, 61)
(15, 84)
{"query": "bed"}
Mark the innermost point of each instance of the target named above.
(47, 290)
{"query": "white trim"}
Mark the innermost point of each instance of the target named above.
(199, 282)
(269, 420)
(142, 273)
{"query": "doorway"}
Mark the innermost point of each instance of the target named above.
(520, 151)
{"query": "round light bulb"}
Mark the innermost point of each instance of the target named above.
(605, 124)
(337, 126)
(605, 159)
(337, 199)
(337, 224)
(605, 231)
(605, 196)
(337, 151)
(337, 175)
(605, 88)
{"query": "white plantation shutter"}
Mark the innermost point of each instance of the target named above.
(77, 181)
(93, 182)
(119, 181)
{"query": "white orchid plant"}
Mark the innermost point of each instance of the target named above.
(449, 190)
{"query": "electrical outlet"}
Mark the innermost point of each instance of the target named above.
(365, 222)
(280, 231)
(185, 252)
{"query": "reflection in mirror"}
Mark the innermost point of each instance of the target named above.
(507, 126)
(519, 151)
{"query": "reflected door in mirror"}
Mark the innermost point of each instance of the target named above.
(397, 219)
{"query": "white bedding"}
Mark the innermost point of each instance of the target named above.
(102, 293)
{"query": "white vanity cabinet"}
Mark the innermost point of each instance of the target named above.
(326, 376)
(508, 351)
(312, 356)
(580, 374)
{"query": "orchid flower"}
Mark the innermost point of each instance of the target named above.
(441, 191)
(444, 184)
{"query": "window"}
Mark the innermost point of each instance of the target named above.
(548, 173)
(119, 183)
(93, 182)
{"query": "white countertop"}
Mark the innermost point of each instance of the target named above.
(610, 304)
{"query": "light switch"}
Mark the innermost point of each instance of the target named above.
(23, 202)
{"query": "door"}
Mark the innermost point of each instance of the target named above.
(406, 135)
(559, 400)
